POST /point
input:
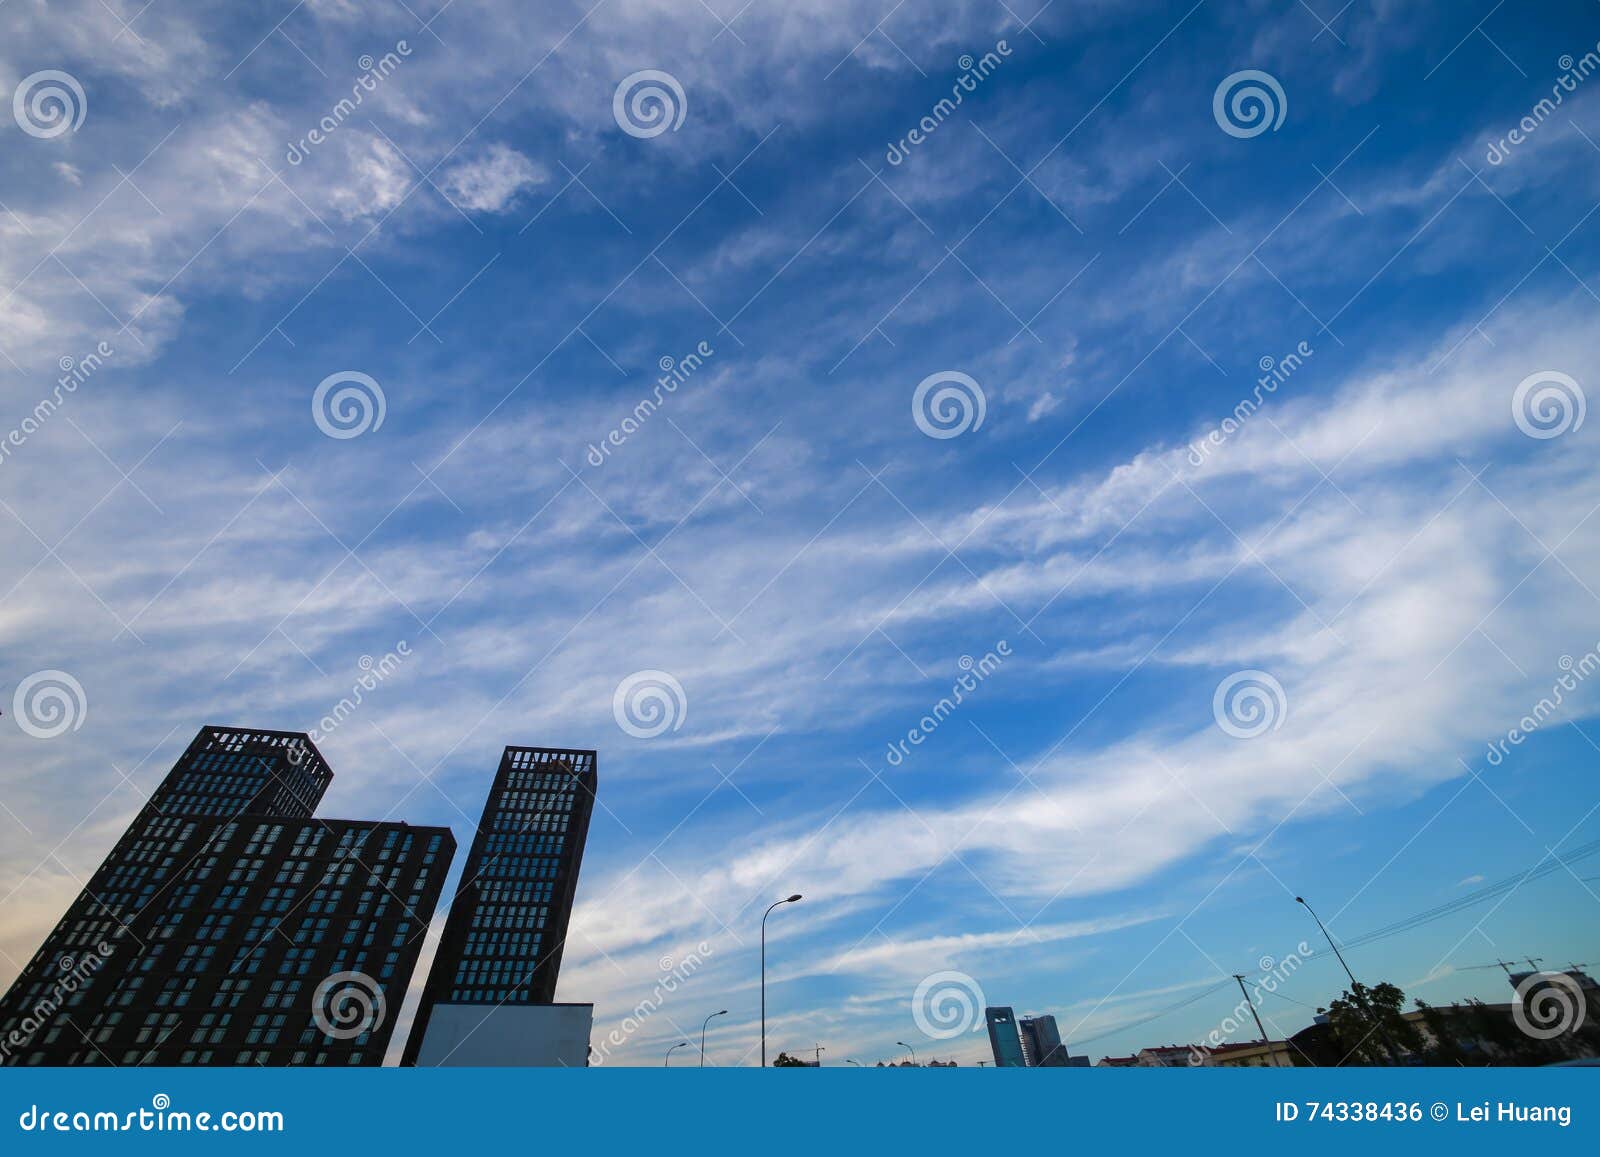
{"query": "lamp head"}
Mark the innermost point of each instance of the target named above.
(793, 898)
(1299, 900)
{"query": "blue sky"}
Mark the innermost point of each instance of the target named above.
(1081, 238)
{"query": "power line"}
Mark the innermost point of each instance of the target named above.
(1154, 1016)
(1473, 898)
(1281, 995)
(1488, 892)
(1414, 921)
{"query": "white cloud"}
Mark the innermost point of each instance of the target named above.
(1046, 403)
(1387, 683)
(492, 181)
(773, 626)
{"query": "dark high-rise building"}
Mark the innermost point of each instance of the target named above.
(502, 942)
(1041, 1043)
(228, 926)
(1003, 1038)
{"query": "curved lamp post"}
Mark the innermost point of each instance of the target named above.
(683, 1044)
(1302, 902)
(908, 1049)
(707, 1021)
(764, 915)
(1355, 986)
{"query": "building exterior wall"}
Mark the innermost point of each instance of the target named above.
(503, 939)
(213, 924)
(1003, 1038)
(508, 1035)
(1041, 1042)
(1278, 1054)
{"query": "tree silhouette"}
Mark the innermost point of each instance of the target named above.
(1370, 1025)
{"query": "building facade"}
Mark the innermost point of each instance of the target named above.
(1041, 1042)
(229, 926)
(1003, 1038)
(1172, 1056)
(502, 942)
(1267, 1054)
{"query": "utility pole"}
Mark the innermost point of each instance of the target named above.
(820, 1051)
(1240, 978)
(1534, 962)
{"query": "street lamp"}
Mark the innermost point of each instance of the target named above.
(764, 915)
(707, 1021)
(1301, 901)
(908, 1049)
(683, 1044)
(848, 1061)
(1355, 986)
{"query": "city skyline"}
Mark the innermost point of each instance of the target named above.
(229, 797)
(948, 462)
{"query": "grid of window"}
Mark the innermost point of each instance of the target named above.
(503, 939)
(218, 913)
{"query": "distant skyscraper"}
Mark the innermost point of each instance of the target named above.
(228, 926)
(501, 946)
(1041, 1043)
(1003, 1038)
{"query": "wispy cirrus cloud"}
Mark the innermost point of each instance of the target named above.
(778, 534)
